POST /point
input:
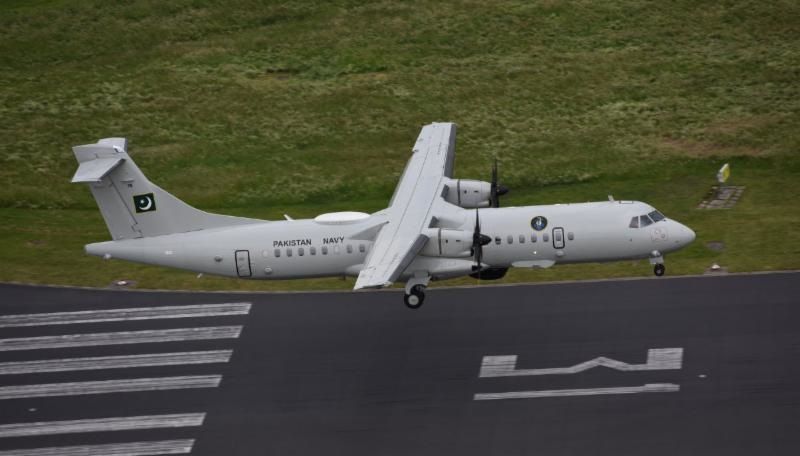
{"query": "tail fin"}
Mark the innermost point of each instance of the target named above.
(131, 205)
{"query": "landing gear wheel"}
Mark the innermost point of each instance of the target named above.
(659, 269)
(415, 299)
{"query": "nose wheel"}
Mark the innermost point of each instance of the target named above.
(659, 269)
(415, 297)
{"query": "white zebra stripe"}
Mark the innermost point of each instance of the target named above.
(109, 386)
(137, 313)
(102, 425)
(111, 449)
(120, 338)
(115, 362)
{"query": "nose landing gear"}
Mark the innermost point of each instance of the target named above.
(657, 260)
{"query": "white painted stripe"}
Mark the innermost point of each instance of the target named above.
(115, 362)
(657, 359)
(109, 386)
(649, 388)
(102, 425)
(137, 313)
(120, 338)
(111, 449)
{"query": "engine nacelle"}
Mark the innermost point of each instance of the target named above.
(448, 243)
(469, 194)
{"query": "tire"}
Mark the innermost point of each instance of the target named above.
(659, 270)
(416, 298)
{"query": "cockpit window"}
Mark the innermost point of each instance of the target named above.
(656, 216)
(634, 222)
(644, 221)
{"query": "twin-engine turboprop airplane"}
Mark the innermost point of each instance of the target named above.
(436, 227)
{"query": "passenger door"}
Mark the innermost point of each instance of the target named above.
(243, 263)
(558, 238)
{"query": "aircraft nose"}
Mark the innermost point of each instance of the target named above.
(687, 235)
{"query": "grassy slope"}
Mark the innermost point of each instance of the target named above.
(308, 106)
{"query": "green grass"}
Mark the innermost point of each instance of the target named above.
(261, 108)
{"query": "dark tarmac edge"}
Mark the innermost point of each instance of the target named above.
(384, 290)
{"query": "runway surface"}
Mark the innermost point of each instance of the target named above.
(659, 367)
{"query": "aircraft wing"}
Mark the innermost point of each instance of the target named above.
(409, 213)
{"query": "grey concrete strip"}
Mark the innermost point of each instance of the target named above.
(138, 313)
(109, 386)
(102, 425)
(112, 449)
(115, 362)
(120, 338)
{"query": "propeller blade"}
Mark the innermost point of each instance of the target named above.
(497, 190)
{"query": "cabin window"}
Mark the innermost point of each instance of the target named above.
(277, 253)
(644, 221)
(288, 252)
(521, 238)
(313, 250)
(324, 249)
(510, 239)
(634, 223)
(533, 237)
(497, 240)
(349, 248)
(301, 251)
(570, 236)
(545, 237)
(362, 248)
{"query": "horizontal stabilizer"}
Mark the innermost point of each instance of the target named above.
(95, 170)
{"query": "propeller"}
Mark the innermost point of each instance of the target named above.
(497, 189)
(478, 241)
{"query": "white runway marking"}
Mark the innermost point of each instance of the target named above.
(119, 338)
(657, 359)
(102, 425)
(109, 386)
(138, 313)
(113, 449)
(649, 388)
(115, 362)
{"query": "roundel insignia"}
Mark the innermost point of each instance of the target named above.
(539, 223)
(144, 203)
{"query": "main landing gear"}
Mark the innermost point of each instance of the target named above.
(415, 291)
(415, 298)
(659, 269)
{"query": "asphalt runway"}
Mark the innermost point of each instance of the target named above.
(673, 366)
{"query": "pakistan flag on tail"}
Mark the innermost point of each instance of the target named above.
(144, 203)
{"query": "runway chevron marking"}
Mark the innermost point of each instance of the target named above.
(657, 359)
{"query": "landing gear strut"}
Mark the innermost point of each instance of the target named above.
(415, 291)
(657, 260)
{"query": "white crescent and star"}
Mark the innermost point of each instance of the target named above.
(148, 205)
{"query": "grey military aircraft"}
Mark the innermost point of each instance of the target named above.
(436, 227)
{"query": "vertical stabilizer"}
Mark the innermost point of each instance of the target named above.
(131, 205)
